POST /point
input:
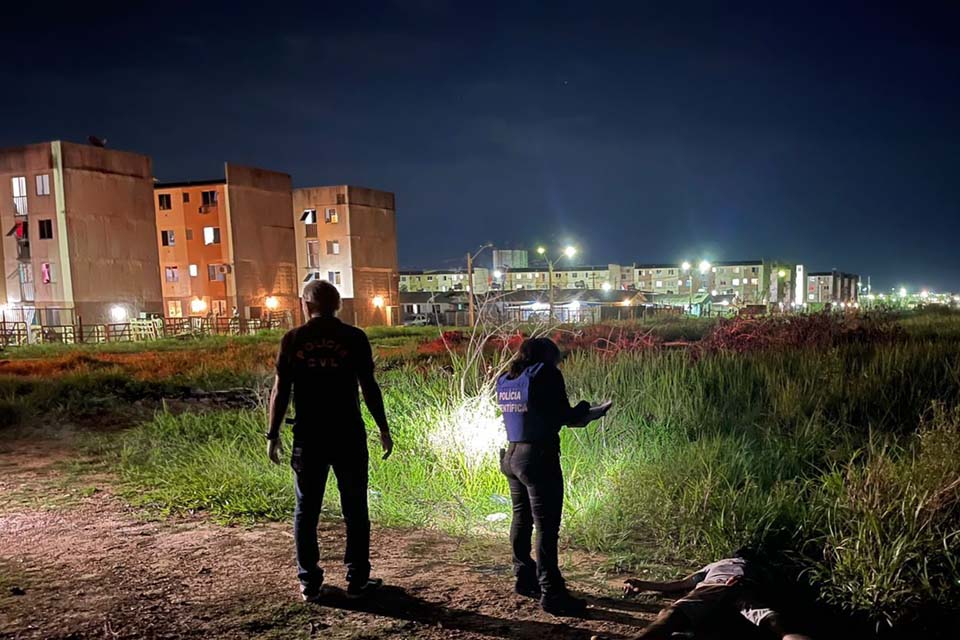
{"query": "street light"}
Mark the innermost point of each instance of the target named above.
(378, 302)
(704, 267)
(271, 303)
(606, 286)
(685, 266)
(568, 252)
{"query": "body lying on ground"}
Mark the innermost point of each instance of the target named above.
(727, 586)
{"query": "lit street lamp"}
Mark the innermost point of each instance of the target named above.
(568, 252)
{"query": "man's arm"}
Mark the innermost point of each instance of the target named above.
(373, 397)
(279, 401)
(633, 585)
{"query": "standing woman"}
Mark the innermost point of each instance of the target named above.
(533, 399)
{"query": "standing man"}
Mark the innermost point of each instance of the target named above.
(325, 361)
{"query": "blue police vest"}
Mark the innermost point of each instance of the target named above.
(513, 397)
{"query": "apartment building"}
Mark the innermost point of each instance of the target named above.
(78, 228)
(348, 236)
(751, 281)
(226, 246)
(438, 281)
(588, 277)
(832, 287)
(506, 259)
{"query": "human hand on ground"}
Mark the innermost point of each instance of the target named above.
(386, 441)
(274, 450)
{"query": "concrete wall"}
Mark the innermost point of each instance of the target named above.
(110, 229)
(261, 238)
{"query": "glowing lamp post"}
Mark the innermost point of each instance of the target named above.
(118, 313)
(197, 306)
(568, 252)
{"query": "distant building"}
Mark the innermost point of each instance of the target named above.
(749, 281)
(226, 245)
(832, 287)
(596, 277)
(348, 236)
(506, 259)
(78, 244)
(440, 281)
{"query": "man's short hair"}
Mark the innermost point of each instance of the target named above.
(321, 297)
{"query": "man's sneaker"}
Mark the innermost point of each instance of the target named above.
(311, 592)
(563, 604)
(363, 589)
(527, 589)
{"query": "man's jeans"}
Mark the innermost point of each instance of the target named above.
(536, 489)
(310, 480)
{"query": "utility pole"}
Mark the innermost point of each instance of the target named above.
(470, 287)
(550, 284)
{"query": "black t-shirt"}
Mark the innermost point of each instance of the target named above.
(326, 359)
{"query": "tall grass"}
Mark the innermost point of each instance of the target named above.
(846, 461)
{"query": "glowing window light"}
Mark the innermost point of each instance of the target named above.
(118, 313)
(197, 306)
(378, 302)
(271, 303)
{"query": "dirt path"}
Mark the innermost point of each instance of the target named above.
(78, 563)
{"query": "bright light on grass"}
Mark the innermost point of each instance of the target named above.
(474, 430)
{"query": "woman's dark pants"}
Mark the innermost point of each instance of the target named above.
(536, 489)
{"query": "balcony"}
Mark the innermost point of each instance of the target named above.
(23, 250)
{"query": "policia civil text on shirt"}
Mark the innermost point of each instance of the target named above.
(324, 362)
(533, 399)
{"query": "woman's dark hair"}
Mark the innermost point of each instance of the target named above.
(534, 351)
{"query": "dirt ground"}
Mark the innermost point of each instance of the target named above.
(77, 562)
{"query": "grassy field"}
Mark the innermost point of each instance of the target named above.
(842, 463)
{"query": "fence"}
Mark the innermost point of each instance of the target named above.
(16, 334)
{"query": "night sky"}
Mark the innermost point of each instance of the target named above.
(826, 134)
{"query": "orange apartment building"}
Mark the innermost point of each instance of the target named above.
(226, 246)
(348, 236)
(78, 227)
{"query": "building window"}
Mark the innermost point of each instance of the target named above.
(163, 200)
(679, 283)
(333, 247)
(333, 277)
(174, 309)
(215, 273)
(209, 198)
(330, 216)
(193, 270)
(46, 229)
(189, 234)
(171, 274)
(341, 198)
(659, 284)
(313, 275)
(736, 282)
(19, 184)
(211, 235)
(43, 184)
(754, 281)
(46, 273)
(309, 216)
(167, 238)
(313, 253)
(186, 197)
